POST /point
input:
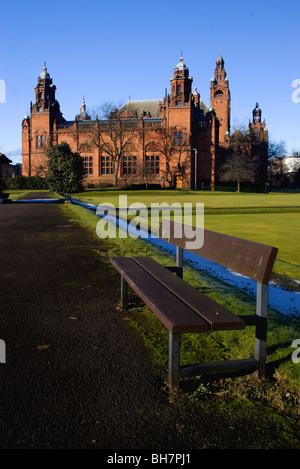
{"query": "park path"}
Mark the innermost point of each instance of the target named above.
(76, 375)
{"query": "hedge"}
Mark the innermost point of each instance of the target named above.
(22, 182)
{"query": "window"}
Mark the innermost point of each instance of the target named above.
(106, 165)
(88, 164)
(178, 138)
(40, 141)
(129, 165)
(41, 109)
(178, 103)
(152, 164)
(41, 96)
(179, 89)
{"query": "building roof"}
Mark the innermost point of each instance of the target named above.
(150, 106)
(4, 159)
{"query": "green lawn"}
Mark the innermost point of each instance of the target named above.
(235, 344)
(211, 200)
(272, 218)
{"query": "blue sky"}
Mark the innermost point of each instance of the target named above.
(108, 51)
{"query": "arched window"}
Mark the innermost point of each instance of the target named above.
(178, 138)
(40, 141)
(179, 89)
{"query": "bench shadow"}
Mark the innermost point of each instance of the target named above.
(192, 384)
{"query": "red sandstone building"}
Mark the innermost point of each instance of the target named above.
(176, 140)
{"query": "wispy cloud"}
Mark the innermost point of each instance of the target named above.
(14, 155)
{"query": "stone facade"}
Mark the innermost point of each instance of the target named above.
(176, 141)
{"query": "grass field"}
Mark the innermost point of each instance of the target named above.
(281, 330)
(211, 200)
(272, 218)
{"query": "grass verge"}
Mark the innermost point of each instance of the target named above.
(280, 392)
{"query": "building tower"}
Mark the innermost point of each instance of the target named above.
(181, 83)
(37, 129)
(259, 145)
(176, 107)
(220, 99)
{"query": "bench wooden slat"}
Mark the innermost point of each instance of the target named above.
(254, 260)
(173, 313)
(218, 317)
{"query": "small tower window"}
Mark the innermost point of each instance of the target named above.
(178, 138)
(40, 141)
(179, 89)
(41, 96)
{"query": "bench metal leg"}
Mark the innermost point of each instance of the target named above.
(261, 328)
(124, 292)
(174, 361)
(179, 260)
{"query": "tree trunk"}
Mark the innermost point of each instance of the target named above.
(116, 179)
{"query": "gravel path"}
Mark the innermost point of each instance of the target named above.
(76, 374)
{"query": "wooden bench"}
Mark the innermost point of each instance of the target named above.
(184, 309)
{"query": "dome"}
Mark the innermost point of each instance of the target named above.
(220, 59)
(44, 73)
(181, 65)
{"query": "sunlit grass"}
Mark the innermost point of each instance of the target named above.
(210, 199)
(214, 346)
(272, 219)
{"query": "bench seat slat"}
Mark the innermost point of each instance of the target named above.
(173, 313)
(218, 317)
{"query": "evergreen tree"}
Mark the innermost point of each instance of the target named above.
(65, 169)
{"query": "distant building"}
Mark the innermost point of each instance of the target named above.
(199, 135)
(4, 163)
(4, 166)
(291, 164)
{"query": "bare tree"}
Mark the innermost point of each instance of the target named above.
(240, 165)
(176, 156)
(115, 137)
(238, 168)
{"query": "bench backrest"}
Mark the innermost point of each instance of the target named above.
(248, 258)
